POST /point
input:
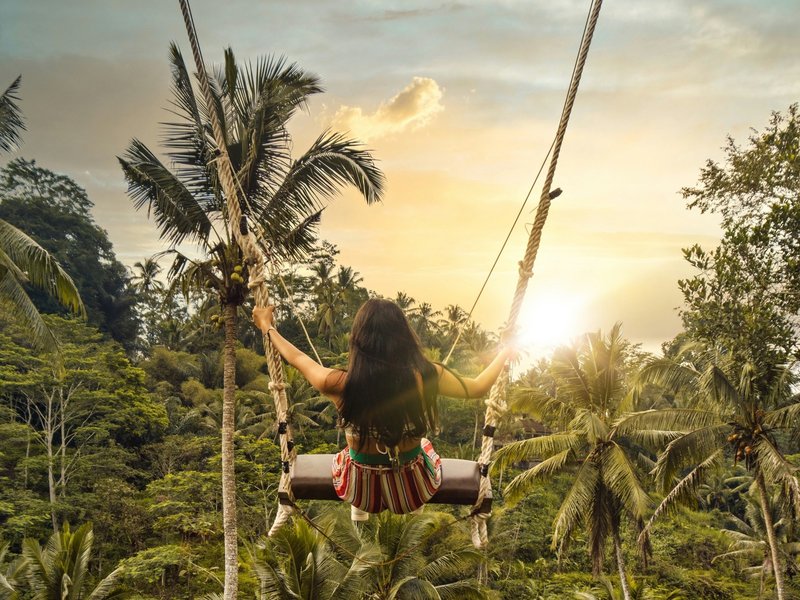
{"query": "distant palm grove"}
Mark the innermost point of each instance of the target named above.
(138, 439)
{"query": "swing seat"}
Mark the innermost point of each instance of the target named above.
(312, 480)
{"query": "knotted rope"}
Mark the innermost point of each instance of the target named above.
(496, 405)
(257, 267)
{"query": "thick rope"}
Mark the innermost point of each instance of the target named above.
(256, 261)
(465, 322)
(496, 403)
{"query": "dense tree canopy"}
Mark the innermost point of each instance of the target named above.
(56, 212)
(111, 479)
(746, 297)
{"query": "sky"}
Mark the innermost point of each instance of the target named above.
(459, 102)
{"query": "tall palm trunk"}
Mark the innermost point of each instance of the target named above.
(49, 434)
(228, 474)
(623, 581)
(773, 544)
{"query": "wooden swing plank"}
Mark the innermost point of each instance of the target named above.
(312, 480)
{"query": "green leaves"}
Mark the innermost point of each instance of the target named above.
(23, 260)
(537, 448)
(11, 122)
(745, 296)
(179, 214)
(619, 475)
(684, 491)
(59, 571)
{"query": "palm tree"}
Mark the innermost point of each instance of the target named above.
(590, 386)
(730, 409)
(281, 198)
(145, 278)
(749, 541)
(425, 321)
(60, 570)
(328, 302)
(401, 569)
(455, 317)
(298, 563)
(11, 574)
(150, 291)
(404, 301)
(22, 260)
(347, 279)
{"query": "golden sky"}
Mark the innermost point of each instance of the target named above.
(459, 102)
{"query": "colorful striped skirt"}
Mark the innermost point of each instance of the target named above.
(374, 488)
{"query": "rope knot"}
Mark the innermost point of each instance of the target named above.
(496, 406)
(274, 386)
(255, 282)
(523, 272)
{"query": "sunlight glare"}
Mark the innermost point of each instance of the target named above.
(548, 321)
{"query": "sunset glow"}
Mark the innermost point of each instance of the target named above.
(459, 103)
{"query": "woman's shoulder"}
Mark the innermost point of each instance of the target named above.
(335, 380)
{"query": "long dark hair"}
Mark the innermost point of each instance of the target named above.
(382, 397)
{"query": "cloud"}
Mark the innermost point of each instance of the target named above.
(412, 108)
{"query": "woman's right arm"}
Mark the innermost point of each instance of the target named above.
(473, 387)
(325, 380)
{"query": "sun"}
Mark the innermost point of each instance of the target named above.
(549, 320)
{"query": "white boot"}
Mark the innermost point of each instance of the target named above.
(357, 515)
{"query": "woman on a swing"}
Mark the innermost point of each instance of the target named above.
(387, 403)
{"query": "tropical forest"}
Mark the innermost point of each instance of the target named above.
(149, 431)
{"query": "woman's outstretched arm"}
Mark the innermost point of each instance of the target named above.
(473, 387)
(325, 380)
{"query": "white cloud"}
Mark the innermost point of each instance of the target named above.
(412, 108)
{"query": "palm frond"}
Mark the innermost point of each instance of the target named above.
(293, 241)
(777, 470)
(11, 123)
(684, 492)
(465, 589)
(572, 380)
(645, 462)
(178, 213)
(39, 267)
(22, 309)
(577, 504)
(38, 566)
(669, 374)
(449, 564)
(413, 588)
(620, 477)
(352, 584)
(538, 403)
(267, 96)
(652, 439)
(787, 417)
(667, 419)
(107, 587)
(188, 141)
(523, 482)
(690, 448)
(717, 386)
(591, 425)
(332, 162)
(536, 448)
